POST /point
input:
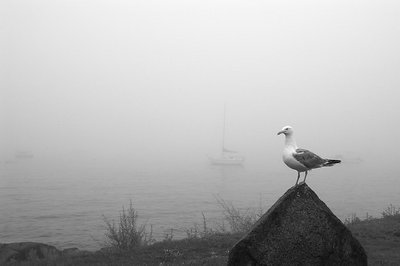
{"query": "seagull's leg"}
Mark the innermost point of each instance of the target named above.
(298, 176)
(305, 177)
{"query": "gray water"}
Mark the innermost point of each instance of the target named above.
(63, 203)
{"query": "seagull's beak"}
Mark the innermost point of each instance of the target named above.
(280, 132)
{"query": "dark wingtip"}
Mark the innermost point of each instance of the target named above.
(330, 162)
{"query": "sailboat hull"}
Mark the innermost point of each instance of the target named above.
(227, 161)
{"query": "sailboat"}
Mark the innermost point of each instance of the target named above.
(228, 157)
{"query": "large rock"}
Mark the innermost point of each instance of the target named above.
(299, 229)
(26, 251)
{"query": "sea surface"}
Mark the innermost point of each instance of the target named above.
(63, 203)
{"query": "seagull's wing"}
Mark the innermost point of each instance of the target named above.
(308, 158)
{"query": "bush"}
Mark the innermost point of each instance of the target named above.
(127, 234)
(391, 211)
(353, 219)
(239, 221)
(197, 233)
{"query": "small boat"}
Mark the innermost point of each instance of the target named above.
(228, 157)
(23, 155)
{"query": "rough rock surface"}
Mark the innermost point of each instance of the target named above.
(26, 251)
(299, 229)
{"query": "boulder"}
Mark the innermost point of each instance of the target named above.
(26, 251)
(299, 229)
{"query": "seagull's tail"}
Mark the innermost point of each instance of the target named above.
(330, 162)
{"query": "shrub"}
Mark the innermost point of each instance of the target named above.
(391, 211)
(127, 234)
(197, 233)
(353, 219)
(239, 221)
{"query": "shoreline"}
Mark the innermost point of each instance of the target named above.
(380, 237)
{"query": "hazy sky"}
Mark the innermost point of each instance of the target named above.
(151, 77)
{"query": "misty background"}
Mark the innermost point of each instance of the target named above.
(140, 86)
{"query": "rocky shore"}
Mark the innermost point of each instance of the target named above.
(32, 251)
(298, 227)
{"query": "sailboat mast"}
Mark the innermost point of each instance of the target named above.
(223, 131)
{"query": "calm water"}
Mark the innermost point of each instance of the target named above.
(63, 203)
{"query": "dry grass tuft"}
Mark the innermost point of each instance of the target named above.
(127, 234)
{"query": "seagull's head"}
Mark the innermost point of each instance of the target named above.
(287, 130)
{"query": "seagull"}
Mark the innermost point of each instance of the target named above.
(301, 160)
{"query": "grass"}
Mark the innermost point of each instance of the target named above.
(205, 246)
(380, 238)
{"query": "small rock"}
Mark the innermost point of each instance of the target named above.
(299, 229)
